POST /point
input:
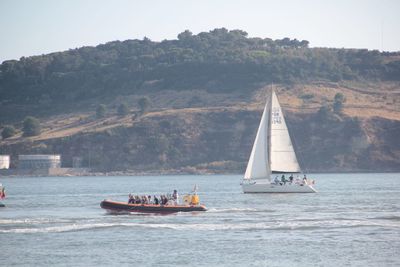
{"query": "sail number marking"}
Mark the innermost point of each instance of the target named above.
(276, 116)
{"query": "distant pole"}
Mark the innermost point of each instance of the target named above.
(382, 35)
(90, 149)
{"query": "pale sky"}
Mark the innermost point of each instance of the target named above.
(34, 27)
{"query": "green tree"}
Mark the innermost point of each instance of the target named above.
(8, 131)
(338, 101)
(185, 35)
(304, 43)
(101, 111)
(338, 107)
(31, 126)
(323, 113)
(144, 104)
(339, 97)
(123, 110)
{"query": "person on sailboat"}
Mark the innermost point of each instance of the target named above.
(291, 178)
(283, 179)
(276, 180)
(305, 179)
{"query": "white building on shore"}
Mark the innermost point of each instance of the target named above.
(39, 161)
(4, 161)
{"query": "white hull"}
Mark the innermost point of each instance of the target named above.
(273, 188)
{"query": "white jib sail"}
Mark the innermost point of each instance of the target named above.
(258, 166)
(283, 157)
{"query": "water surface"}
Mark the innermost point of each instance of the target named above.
(354, 220)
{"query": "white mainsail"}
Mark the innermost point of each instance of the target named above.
(258, 166)
(283, 157)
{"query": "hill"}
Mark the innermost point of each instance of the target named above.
(206, 93)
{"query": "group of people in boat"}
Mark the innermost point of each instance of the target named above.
(291, 180)
(167, 199)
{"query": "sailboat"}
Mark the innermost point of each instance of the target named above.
(273, 154)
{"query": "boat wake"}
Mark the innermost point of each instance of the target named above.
(283, 225)
(230, 210)
(389, 218)
(32, 221)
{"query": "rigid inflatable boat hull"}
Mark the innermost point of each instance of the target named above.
(115, 206)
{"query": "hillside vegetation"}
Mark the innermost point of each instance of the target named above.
(216, 61)
(206, 94)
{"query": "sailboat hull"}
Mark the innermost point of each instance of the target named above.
(273, 188)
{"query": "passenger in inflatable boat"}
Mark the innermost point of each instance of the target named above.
(156, 201)
(175, 197)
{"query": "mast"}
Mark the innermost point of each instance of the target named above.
(269, 129)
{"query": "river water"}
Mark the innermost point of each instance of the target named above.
(354, 220)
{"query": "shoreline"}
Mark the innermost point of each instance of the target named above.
(174, 172)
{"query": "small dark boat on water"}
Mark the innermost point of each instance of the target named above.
(115, 206)
(2, 195)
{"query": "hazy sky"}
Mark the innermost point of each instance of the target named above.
(34, 27)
